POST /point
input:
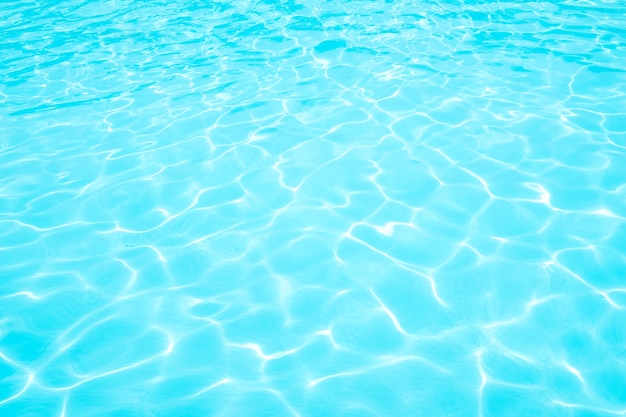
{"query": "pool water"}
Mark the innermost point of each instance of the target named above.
(312, 208)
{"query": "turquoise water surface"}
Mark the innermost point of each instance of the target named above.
(312, 208)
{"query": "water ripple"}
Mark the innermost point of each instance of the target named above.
(307, 208)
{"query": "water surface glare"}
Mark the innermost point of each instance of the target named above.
(312, 208)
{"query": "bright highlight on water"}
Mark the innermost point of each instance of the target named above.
(312, 208)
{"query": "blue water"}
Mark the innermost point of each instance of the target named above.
(312, 208)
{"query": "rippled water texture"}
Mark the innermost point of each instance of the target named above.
(312, 208)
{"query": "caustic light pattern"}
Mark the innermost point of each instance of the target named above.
(312, 208)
